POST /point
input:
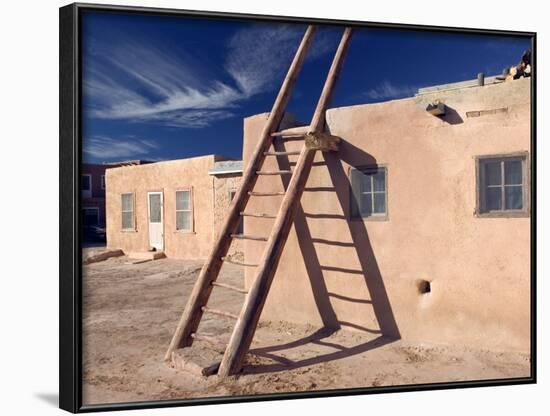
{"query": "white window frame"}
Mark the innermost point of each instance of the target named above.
(190, 210)
(133, 211)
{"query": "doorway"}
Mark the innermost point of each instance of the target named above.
(156, 220)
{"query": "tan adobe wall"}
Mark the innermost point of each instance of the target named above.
(364, 274)
(223, 186)
(167, 177)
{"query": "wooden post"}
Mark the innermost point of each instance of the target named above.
(318, 120)
(481, 79)
(241, 338)
(192, 314)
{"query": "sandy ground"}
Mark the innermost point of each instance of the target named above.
(131, 310)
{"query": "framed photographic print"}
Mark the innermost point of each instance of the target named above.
(265, 207)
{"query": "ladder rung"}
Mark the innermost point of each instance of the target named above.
(294, 152)
(273, 172)
(234, 288)
(212, 340)
(218, 312)
(248, 237)
(299, 131)
(266, 193)
(285, 134)
(257, 215)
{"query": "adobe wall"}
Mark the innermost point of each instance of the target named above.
(96, 171)
(223, 185)
(167, 177)
(364, 274)
(97, 199)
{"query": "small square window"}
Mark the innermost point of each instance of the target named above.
(369, 192)
(502, 186)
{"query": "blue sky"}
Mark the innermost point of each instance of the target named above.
(165, 87)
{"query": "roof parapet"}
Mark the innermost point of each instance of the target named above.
(226, 167)
(459, 85)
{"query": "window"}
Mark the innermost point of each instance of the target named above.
(184, 212)
(90, 216)
(86, 185)
(128, 212)
(502, 186)
(102, 181)
(240, 227)
(369, 193)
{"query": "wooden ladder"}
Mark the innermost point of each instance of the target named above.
(314, 139)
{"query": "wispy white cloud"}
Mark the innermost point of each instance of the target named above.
(386, 90)
(109, 148)
(258, 56)
(190, 118)
(141, 82)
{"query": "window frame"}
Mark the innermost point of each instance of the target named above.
(374, 216)
(133, 228)
(480, 162)
(191, 210)
(86, 193)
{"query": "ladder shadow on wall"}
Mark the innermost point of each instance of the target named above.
(388, 330)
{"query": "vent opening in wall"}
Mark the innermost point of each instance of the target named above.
(424, 287)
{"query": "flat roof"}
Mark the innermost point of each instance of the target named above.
(226, 166)
(496, 79)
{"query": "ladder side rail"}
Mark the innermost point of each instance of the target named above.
(200, 294)
(247, 322)
(318, 120)
(241, 338)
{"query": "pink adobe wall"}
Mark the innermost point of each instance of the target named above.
(167, 177)
(223, 185)
(364, 274)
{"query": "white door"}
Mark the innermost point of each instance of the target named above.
(156, 220)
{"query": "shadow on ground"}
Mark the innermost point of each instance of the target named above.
(370, 271)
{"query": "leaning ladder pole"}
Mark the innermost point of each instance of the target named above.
(247, 322)
(200, 294)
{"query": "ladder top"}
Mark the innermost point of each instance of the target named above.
(292, 132)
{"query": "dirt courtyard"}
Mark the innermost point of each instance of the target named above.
(131, 310)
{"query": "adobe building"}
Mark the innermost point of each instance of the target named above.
(92, 192)
(174, 207)
(419, 227)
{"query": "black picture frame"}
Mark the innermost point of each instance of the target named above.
(70, 264)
